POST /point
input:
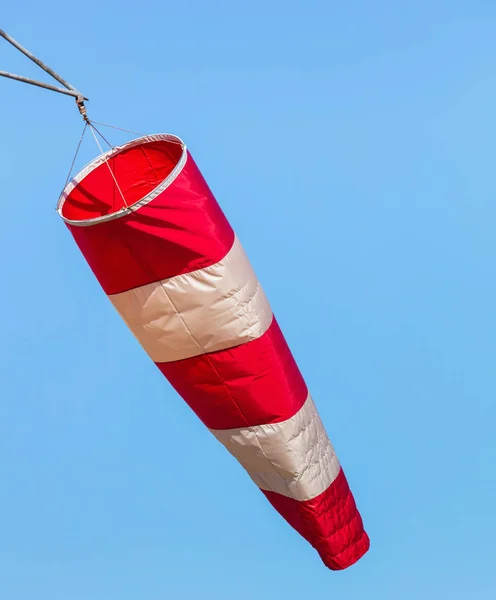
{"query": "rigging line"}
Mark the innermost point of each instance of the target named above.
(119, 128)
(101, 135)
(75, 155)
(106, 162)
(129, 131)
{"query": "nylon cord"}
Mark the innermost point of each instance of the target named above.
(108, 166)
(128, 131)
(119, 128)
(75, 155)
(94, 130)
(101, 135)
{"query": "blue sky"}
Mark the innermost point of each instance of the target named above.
(351, 144)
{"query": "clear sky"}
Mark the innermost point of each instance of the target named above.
(351, 144)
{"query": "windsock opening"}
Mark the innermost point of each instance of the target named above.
(123, 179)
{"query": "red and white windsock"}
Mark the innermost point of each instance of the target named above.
(168, 260)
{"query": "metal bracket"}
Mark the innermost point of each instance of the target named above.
(68, 89)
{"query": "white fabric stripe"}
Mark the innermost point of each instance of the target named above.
(210, 309)
(294, 458)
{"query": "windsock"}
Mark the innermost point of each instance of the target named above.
(165, 254)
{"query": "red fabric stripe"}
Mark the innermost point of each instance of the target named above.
(330, 522)
(181, 230)
(137, 169)
(252, 384)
